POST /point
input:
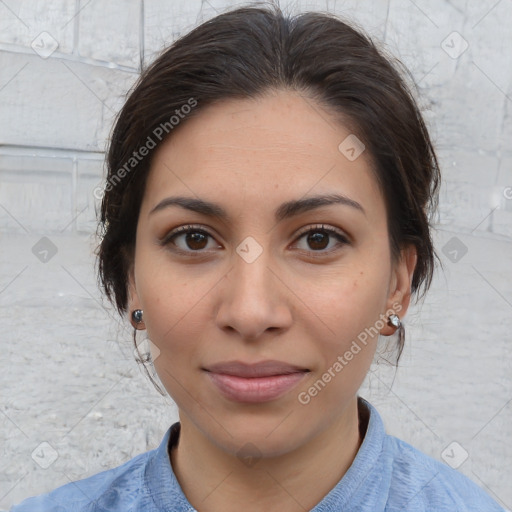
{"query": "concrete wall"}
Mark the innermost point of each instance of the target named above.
(65, 67)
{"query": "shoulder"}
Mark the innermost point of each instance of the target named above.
(395, 476)
(419, 482)
(122, 487)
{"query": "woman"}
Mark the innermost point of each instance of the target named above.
(265, 219)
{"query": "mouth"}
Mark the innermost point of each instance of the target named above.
(253, 383)
(262, 369)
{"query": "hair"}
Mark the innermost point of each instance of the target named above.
(248, 52)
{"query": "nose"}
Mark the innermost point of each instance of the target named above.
(253, 298)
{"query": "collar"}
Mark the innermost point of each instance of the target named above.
(341, 495)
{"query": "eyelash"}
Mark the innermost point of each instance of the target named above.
(339, 235)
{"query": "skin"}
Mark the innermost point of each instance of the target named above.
(297, 302)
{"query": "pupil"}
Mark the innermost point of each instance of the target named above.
(196, 239)
(316, 239)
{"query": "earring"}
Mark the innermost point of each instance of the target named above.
(394, 320)
(137, 315)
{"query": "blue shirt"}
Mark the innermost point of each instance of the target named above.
(387, 474)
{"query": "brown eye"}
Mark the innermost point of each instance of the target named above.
(318, 239)
(196, 240)
(188, 239)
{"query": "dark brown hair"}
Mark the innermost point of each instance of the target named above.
(245, 53)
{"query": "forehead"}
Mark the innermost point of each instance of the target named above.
(281, 144)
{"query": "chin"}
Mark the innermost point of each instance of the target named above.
(266, 436)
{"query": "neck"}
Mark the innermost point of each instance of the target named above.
(214, 480)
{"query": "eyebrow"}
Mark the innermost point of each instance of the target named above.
(284, 211)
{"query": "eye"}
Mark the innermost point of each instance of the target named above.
(319, 237)
(193, 239)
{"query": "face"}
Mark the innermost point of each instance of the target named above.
(264, 282)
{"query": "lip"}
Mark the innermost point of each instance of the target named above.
(252, 383)
(261, 369)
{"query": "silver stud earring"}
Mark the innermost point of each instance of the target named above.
(137, 315)
(394, 320)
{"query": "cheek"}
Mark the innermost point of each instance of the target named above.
(350, 304)
(171, 299)
(176, 314)
(175, 323)
(352, 298)
(345, 356)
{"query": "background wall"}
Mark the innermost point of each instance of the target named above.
(73, 401)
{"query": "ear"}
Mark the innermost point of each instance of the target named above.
(133, 299)
(399, 296)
